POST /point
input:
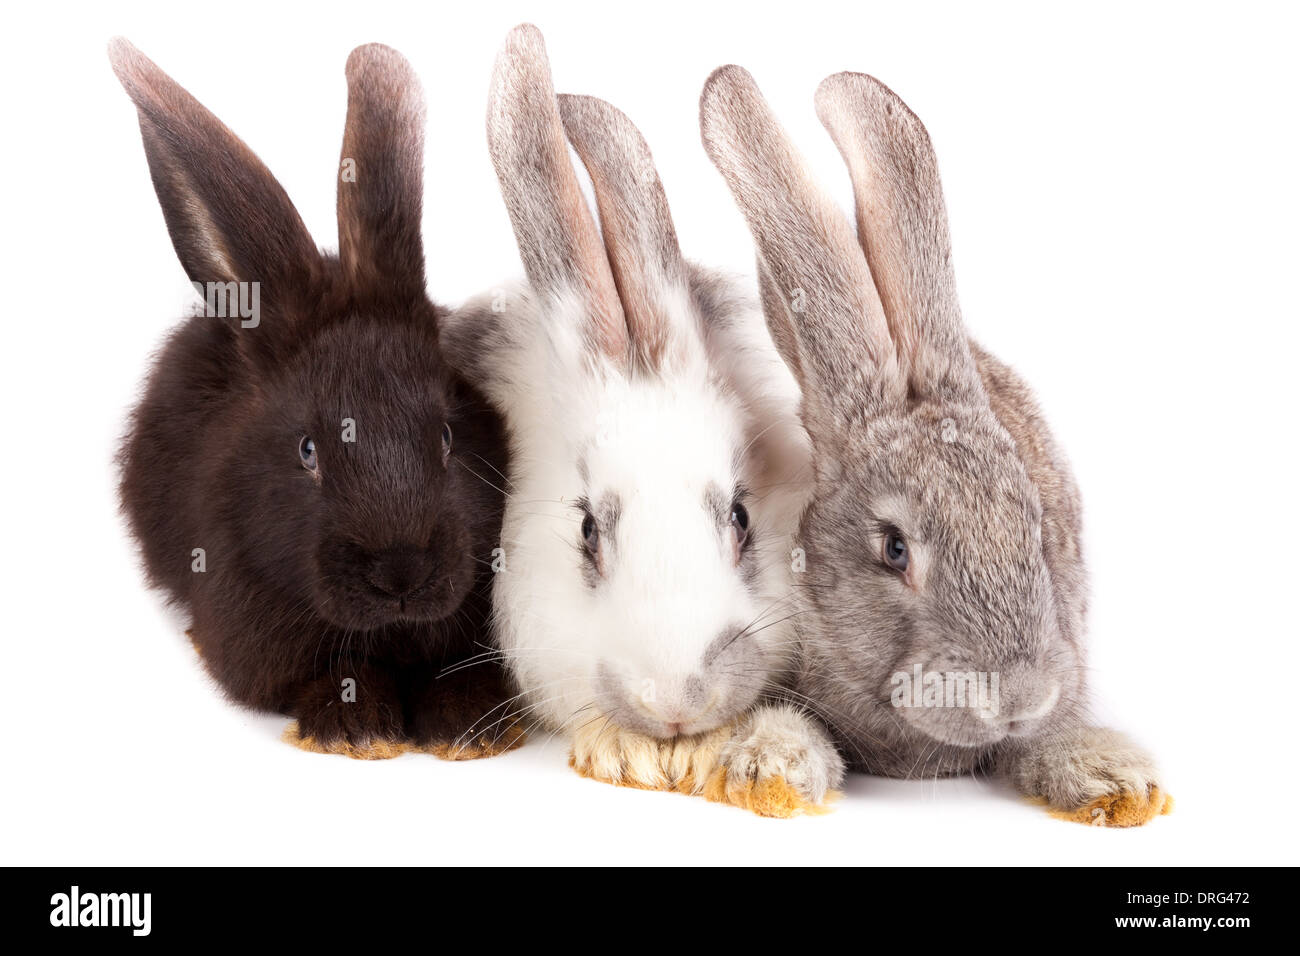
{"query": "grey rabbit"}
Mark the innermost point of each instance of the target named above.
(944, 533)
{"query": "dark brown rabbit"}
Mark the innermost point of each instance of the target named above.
(305, 474)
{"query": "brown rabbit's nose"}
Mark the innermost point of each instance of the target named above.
(399, 572)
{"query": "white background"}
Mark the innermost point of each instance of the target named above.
(1122, 189)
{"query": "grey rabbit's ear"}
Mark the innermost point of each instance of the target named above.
(558, 242)
(230, 221)
(383, 148)
(635, 222)
(903, 230)
(776, 310)
(811, 261)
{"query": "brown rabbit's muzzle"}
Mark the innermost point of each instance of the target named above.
(366, 589)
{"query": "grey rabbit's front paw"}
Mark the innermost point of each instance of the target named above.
(1093, 775)
(779, 762)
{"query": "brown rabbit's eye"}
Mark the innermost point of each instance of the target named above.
(590, 534)
(740, 523)
(896, 552)
(446, 441)
(307, 452)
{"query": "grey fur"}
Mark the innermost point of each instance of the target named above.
(782, 741)
(916, 429)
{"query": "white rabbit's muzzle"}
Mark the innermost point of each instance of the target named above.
(666, 702)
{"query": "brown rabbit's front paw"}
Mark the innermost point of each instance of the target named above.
(377, 748)
(490, 743)
(359, 718)
(466, 713)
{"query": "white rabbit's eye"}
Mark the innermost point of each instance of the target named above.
(590, 534)
(740, 523)
(896, 555)
(307, 452)
(446, 441)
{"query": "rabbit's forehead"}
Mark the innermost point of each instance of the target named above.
(950, 478)
(663, 434)
(363, 365)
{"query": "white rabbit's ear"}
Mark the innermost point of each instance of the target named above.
(382, 171)
(809, 255)
(903, 230)
(635, 221)
(558, 242)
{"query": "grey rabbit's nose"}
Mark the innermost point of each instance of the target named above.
(399, 572)
(1024, 719)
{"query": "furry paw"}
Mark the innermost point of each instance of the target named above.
(1128, 808)
(474, 747)
(376, 748)
(1095, 776)
(604, 751)
(778, 763)
(366, 725)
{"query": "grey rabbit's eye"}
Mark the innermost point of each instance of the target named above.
(740, 523)
(446, 441)
(590, 534)
(307, 452)
(896, 555)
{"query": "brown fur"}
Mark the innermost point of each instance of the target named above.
(368, 565)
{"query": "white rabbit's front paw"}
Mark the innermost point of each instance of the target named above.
(604, 751)
(779, 762)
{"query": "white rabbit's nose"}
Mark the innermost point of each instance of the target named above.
(674, 717)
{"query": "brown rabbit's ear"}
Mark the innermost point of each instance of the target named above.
(229, 220)
(557, 237)
(809, 255)
(903, 229)
(636, 224)
(382, 172)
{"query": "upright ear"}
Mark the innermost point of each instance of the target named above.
(558, 242)
(776, 310)
(229, 219)
(637, 227)
(903, 229)
(809, 255)
(382, 172)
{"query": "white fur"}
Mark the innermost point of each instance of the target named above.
(657, 441)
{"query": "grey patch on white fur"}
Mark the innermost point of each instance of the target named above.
(718, 504)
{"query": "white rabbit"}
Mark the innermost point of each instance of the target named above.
(658, 462)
